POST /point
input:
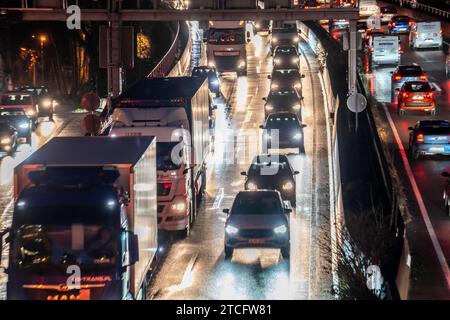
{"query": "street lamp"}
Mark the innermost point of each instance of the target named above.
(42, 39)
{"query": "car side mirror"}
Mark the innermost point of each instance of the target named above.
(433, 89)
(227, 211)
(304, 125)
(261, 127)
(248, 34)
(410, 128)
(392, 72)
(243, 173)
(296, 172)
(445, 174)
(397, 89)
(2, 235)
(287, 210)
(269, 77)
(214, 107)
(264, 99)
(303, 76)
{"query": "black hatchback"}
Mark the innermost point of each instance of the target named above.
(17, 118)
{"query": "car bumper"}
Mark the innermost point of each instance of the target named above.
(428, 44)
(400, 30)
(418, 106)
(246, 242)
(432, 149)
(170, 220)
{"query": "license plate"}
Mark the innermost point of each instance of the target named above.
(435, 149)
(226, 53)
(417, 98)
(256, 241)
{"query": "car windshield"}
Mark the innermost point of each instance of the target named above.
(285, 30)
(277, 168)
(12, 112)
(282, 122)
(164, 157)
(226, 36)
(285, 54)
(38, 245)
(15, 99)
(256, 204)
(417, 87)
(285, 50)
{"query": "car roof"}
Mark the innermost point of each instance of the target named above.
(258, 193)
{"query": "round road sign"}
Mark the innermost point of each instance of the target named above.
(356, 102)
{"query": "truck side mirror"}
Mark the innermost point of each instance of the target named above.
(303, 76)
(133, 247)
(227, 211)
(243, 173)
(296, 173)
(397, 89)
(264, 99)
(261, 127)
(304, 125)
(269, 77)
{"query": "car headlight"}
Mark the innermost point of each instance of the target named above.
(296, 39)
(55, 103)
(298, 136)
(274, 86)
(241, 64)
(252, 186)
(297, 85)
(24, 125)
(275, 40)
(277, 61)
(280, 229)
(30, 113)
(269, 107)
(46, 103)
(288, 186)
(5, 140)
(267, 136)
(257, 25)
(181, 206)
(211, 64)
(296, 107)
(294, 60)
(231, 230)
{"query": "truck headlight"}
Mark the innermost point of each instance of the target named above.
(296, 107)
(24, 125)
(5, 140)
(231, 230)
(294, 60)
(288, 186)
(277, 61)
(180, 206)
(297, 85)
(252, 186)
(298, 136)
(274, 86)
(274, 40)
(30, 113)
(280, 229)
(269, 107)
(296, 39)
(47, 103)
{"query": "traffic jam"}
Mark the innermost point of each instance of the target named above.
(213, 184)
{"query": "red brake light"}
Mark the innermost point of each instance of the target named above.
(423, 77)
(393, 24)
(430, 95)
(405, 95)
(410, 23)
(397, 77)
(167, 185)
(420, 137)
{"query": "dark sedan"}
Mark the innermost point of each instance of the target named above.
(8, 138)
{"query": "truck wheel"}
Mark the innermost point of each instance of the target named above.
(286, 251)
(228, 252)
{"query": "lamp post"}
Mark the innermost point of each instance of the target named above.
(42, 39)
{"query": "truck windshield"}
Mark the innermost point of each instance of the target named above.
(41, 246)
(165, 160)
(226, 36)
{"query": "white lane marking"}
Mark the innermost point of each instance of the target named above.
(434, 84)
(187, 277)
(423, 210)
(331, 184)
(218, 199)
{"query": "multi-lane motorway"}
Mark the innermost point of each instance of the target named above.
(426, 172)
(195, 268)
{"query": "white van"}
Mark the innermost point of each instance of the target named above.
(385, 50)
(426, 35)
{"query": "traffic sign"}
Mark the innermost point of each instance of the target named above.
(356, 102)
(90, 101)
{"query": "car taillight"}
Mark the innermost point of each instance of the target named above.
(430, 95)
(394, 24)
(371, 49)
(423, 77)
(410, 23)
(420, 138)
(390, 24)
(167, 185)
(405, 95)
(397, 77)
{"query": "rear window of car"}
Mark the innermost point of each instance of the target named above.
(15, 99)
(410, 70)
(400, 19)
(435, 130)
(417, 86)
(253, 204)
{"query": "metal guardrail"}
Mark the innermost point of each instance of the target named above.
(167, 62)
(422, 7)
